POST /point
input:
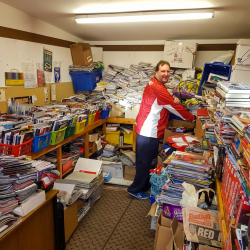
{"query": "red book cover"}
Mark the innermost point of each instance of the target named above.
(202, 112)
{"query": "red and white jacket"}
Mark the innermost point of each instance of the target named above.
(156, 104)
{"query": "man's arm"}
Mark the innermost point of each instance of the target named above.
(165, 99)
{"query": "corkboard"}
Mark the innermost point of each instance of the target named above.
(63, 90)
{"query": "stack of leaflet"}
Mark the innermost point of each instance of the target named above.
(7, 223)
(235, 94)
(81, 68)
(185, 167)
(26, 193)
(83, 211)
(86, 174)
(171, 193)
(109, 151)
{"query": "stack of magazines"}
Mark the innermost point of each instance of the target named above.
(185, 167)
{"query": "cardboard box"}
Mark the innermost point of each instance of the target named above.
(163, 235)
(242, 55)
(116, 169)
(177, 124)
(129, 173)
(31, 204)
(70, 220)
(240, 73)
(81, 54)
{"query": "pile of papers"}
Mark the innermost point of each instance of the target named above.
(7, 223)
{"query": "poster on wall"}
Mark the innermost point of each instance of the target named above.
(14, 78)
(29, 75)
(57, 71)
(47, 60)
(46, 94)
(40, 78)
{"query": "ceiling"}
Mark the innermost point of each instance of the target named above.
(231, 19)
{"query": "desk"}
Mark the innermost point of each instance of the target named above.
(36, 231)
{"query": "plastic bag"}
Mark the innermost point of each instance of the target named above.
(226, 58)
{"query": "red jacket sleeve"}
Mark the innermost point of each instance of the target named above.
(165, 99)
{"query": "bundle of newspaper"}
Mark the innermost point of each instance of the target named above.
(201, 226)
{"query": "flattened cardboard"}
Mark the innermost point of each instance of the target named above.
(70, 220)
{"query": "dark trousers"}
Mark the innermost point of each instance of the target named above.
(146, 151)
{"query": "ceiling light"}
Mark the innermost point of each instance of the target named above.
(144, 16)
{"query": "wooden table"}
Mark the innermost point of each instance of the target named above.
(36, 231)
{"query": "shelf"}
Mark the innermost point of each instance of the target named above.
(68, 171)
(126, 146)
(52, 147)
(121, 120)
(221, 214)
(119, 181)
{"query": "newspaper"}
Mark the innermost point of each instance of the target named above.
(201, 226)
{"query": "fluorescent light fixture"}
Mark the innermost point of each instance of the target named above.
(150, 16)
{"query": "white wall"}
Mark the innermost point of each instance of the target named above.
(14, 52)
(16, 19)
(126, 58)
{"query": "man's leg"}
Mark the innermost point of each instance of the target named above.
(146, 151)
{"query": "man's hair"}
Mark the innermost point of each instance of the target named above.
(161, 63)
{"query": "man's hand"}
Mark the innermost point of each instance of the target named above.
(176, 100)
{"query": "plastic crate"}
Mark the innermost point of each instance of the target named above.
(80, 126)
(97, 115)
(105, 114)
(70, 131)
(40, 142)
(91, 119)
(217, 68)
(113, 136)
(128, 138)
(57, 136)
(17, 150)
(85, 81)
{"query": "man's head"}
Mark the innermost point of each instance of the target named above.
(192, 229)
(162, 71)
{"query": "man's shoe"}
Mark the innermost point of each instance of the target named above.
(141, 195)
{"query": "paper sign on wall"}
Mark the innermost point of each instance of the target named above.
(53, 92)
(29, 75)
(2, 95)
(46, 94)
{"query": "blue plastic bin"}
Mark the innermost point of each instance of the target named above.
(85, 81)
(217, 68)
(40, 142)
(105, 114)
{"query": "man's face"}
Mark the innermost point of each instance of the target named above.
(192, 229)
(163, 74)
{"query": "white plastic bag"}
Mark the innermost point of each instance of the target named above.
(226, 58)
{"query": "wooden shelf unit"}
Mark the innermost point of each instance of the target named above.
(86, 131)
(125, 121)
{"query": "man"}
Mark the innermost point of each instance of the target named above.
(150, 124)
